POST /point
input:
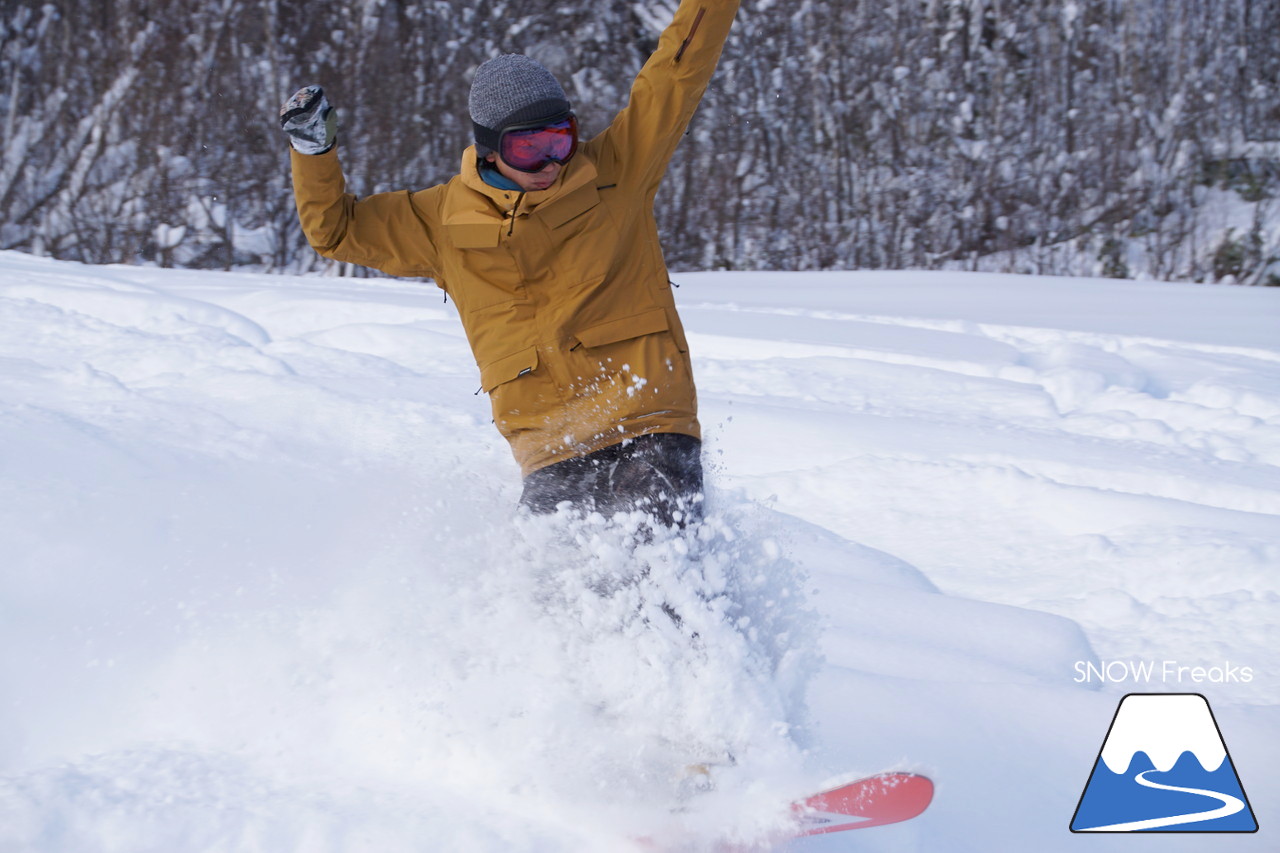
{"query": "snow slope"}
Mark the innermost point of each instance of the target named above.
(261, 588)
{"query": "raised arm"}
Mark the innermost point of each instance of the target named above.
(392, 232)
(640, 141)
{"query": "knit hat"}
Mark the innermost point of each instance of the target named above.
(512, 89)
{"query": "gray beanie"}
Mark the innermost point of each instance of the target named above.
(512, 89)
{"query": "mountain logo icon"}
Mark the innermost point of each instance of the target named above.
(1164, 767)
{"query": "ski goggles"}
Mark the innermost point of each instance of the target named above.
(531, 148)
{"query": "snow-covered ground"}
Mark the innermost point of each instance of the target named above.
(261, 588)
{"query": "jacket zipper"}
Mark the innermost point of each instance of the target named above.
(692, 31)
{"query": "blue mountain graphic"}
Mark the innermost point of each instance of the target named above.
(1118, 798)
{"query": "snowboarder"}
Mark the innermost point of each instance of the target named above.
(549, 248)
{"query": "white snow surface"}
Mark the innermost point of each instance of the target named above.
(262, 587)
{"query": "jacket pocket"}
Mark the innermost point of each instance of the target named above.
(632, 368)
(474, 232)
(583, 238)
(507, 368)
(565, 210)
(522, 396)
(481, 273)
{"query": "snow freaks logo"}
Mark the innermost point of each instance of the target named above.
(1164, 767)
(1168, 671)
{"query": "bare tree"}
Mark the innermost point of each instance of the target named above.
(1049, 136)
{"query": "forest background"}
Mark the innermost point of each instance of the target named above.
(1121, 138)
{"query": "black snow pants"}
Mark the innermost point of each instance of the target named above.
(659, 473)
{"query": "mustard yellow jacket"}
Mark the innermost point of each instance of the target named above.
(563, 292)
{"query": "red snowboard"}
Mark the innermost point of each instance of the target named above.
(873, 801)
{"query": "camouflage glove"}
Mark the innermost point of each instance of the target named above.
(310, 121)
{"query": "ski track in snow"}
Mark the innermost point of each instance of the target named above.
(262, 590)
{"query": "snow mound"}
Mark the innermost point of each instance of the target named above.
(263, 587)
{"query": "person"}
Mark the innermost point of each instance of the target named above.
(549, 248)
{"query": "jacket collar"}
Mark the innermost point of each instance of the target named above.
(579, 172)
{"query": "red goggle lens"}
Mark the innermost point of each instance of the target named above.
(533, 149)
